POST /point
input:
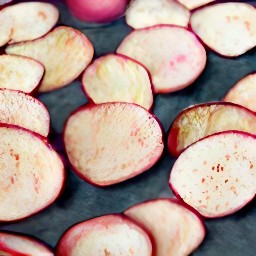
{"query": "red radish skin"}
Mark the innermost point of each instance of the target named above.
(192, 4)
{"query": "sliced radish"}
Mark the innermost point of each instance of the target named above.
(144, 13)
(117, 78)
(65, 52)
(173, 55)
(227, 28)
(32, 174)
(177, 231)
(112, 142)
(192, 4)
(20, 245)
(26, 21)
(108, 235)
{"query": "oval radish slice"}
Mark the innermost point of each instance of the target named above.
(217, 174)
(201, 120)
(117, 78)
(112, 235)
(173, 55)
(227, 28)
(32, 174)
(62, 45)
(112, 142)
(144, 13)
(192, 4)
(177, 231)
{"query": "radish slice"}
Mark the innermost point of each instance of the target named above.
(192, 4)
(112, 235)
(144, 13)
(112, 142)
(32, 174)
(173, 55)
(25, 111)
(201, 120)
(216, 175)
(116, 78)
(20, 245)
(26, 21)
(177, 232)
(65, 53)
(227, 28)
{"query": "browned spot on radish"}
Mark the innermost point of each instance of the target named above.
(227, 157)
(203, 180)
(207, 197)
(251, 165)
(107, 253)
(17, 164)
(217, 207)
(213, 168)
(17, 157)
(226, 181)
(247, 25)
(42, 15)
(216, 187)
(12, 180)
(211, 178)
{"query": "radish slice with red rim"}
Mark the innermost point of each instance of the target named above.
(192, 4)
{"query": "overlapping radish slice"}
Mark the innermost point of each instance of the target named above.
(112, 142)
(32, 174)
(117, 78)
(112, 235)
(143, 13)
(192, 4)
(176, 230)
(201, 120)
(227, 28)
(26, 21)
(217, 175)
(65, 53)
(20, 245)
(173, 55)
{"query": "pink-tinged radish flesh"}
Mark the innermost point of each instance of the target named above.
(32, 174)
(173, 55)
(177, 231)
(192, 4)
(227, 28)
(112, 142)
(65, 53)
(108, 235)
(217, 175)
(116, 78)
(144, 13)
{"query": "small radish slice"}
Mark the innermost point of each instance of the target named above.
(217, 175)
(20, 245)
(112, 142)
(177, 231)
(113, 235)
(117, 78)
(205, 119)
(173, 55)
(25, 111)
(227, 28)
(144, 13)
(192, 4)
(32, 174)
(65, 53)
(20, 73)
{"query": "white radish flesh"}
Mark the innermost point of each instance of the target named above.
(192, 4)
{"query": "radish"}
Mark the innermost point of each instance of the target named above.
(113, 235)
(177, 231)
(173, 55)
(112, 142)
(192, 4)
(117, 78)
(65, 52)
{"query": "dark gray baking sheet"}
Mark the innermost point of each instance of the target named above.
(234, 235)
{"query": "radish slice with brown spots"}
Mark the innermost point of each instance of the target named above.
(32, 174)
(227, 28)
(177, 232)
(144, 13)
(173, 55)
(62, 45)
(113, 235)
(217, 175)
(192, 4)
(117, 78)
(204, 119)
(112, 142)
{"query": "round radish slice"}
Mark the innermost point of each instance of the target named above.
(32, 174)
(112, 235)
(112, 142)
(173, 55)
(227, 28)
(144, 13)
(178, 231)
(192, 4)
(116, 78)
(217, 175)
